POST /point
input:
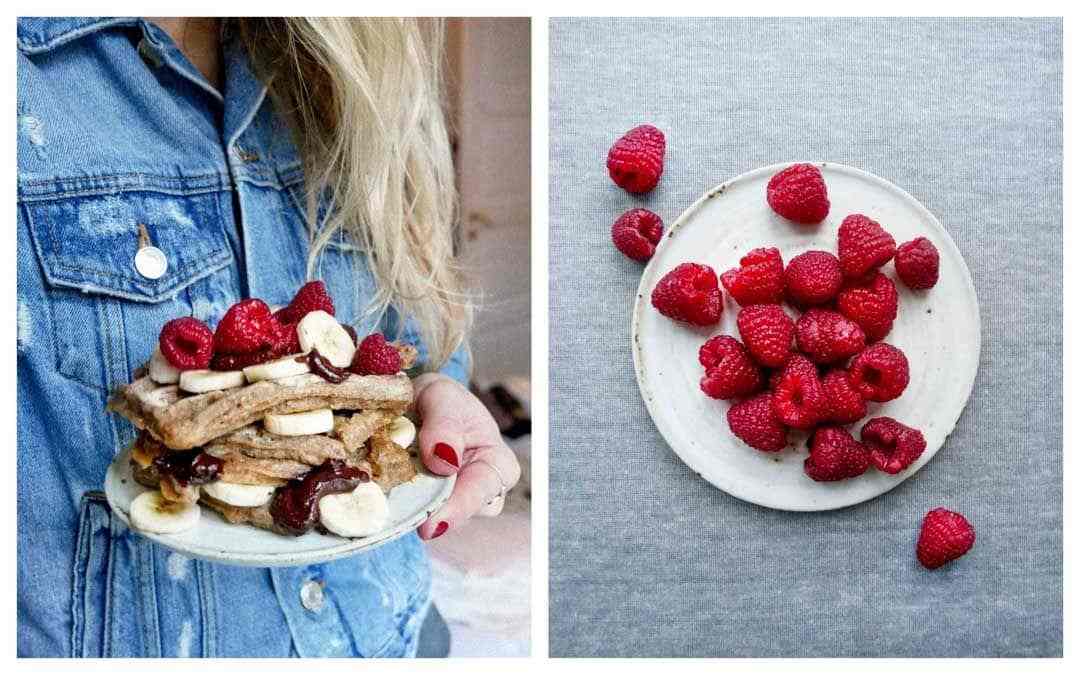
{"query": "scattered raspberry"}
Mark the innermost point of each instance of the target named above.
(827, 336)
(186, 343)
(247, 327)
(917, 264)
(835, 455)
(376, 356)
(863, 246)
(758, 280)
(767, 332)
(311, 296)
(872, 304)
(845, 405)
(636, 233)
(636, 161)
(223, 361)
(813, 278)
(754, 423)
(945, 536)
(892, 445)
(798, 399)
(798, 193)
(729, 370)
(689, 293)
(879, 372)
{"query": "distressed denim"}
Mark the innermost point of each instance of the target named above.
(117, 129)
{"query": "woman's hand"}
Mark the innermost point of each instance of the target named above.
(459, 436)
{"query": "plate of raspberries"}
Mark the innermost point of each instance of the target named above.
(806, 336)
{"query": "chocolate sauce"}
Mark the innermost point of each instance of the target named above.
(352, 333)
(295, 506)
(323, 368)
(189, 467)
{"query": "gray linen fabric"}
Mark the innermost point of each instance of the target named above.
(647, 559)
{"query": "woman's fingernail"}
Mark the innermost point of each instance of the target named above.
(440, 529)
(446, 453)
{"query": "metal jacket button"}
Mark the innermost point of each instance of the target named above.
(150, 261)
(311, 595)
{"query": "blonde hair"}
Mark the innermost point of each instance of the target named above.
(364, 98)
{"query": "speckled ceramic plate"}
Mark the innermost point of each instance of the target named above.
(937, 329)
(218, 541)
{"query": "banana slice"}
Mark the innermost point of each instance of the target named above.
(161, 371)
(300, 424)
(202, 381)
(239, 495)
(151, 512)
(275, 370)
(359, 513)
(402, 431)
(319, 330)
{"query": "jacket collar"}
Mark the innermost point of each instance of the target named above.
(37, 34)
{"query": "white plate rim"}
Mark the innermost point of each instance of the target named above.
(642, 303)
(120, 468)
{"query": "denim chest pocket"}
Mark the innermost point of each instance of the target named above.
(106, 311)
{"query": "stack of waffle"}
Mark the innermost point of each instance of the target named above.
(227, 431)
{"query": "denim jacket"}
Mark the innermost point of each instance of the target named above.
(116, 129)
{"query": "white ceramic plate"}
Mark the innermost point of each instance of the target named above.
(938, 330)
(216, 540)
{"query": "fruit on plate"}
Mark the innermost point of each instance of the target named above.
(202, 381)
(917, 264)
(689, 293)
(835, 455)
(767, 333)
(759, 278)
(320, 330)
(729, 370)
(753, 422)
(300, 424)
(359, 513)
(893, 446)
(798, 193)
(151, 512)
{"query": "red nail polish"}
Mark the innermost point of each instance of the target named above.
(440, 529)
(446, 453)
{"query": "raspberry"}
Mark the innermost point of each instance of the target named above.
(636, 161)
(689, 293)
(798, 193)
(758, 280)
(917, 264)
(636, 233)
(753, 422)
(945, 536)
(827, 336)
(247, 327)
(879, 372)
(288, 340)
(871, 303)
(729, 370)
(893, 446)
(767, 332)
(376, 356)
(186, 343)
(798, 399)
(863, 246)
(813, 278)
(844, 404)
(310, 297)
(835, 455)
(223, 361)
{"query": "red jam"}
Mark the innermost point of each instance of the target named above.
(189, 467)
(295, 506)
(323, 368)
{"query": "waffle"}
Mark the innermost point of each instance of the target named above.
(182, 421)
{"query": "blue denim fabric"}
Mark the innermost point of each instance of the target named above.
(115, 129)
